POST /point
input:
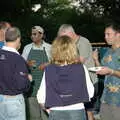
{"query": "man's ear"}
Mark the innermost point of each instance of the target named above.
(18, 43)
(2, 35)
(18, 39)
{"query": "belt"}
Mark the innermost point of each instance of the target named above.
(6, 96)
(9, 96)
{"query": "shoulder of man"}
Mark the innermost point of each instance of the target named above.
(47, 45)
(84, 39)
(28, 46)
(11, 56)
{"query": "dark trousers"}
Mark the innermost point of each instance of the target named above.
(33, 110)
(67, 115)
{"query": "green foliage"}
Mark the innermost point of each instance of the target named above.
(87, 17)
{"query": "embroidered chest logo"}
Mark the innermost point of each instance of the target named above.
(2, 57)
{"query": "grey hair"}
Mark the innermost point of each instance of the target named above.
(12, 34)
(65, 28)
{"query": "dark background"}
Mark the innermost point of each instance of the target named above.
(88, 17)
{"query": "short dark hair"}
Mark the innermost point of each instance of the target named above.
(12, 34)
(114, 25)
(4, 25)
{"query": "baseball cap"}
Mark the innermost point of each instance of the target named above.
(38, 28)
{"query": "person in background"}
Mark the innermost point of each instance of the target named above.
(3, 27)
(14, 78)
(110, 107)
(37, 55)
(66, 83)
(84, 49)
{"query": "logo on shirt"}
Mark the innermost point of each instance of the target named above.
(2, 57)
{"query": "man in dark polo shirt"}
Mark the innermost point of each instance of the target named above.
(14, 78)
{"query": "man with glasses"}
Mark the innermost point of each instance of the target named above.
(37, 54)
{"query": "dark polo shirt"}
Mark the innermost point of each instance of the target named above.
(13, 81)
(65, 85)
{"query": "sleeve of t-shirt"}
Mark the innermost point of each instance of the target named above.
(41, 94)
(26, 51)
(85, 50)
(89, 83)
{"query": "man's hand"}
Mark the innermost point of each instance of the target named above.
(42, 66)
(105, 71)
(30, 77)
(95, 55)
(31, 63)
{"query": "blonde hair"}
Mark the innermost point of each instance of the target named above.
(63, 51)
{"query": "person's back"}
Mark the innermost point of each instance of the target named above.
(66, 84)
(14, 80)
(84, 50)
(67, 81)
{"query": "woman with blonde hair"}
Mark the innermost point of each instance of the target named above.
(66, 83)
